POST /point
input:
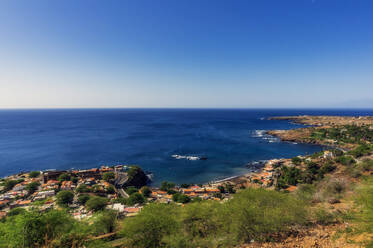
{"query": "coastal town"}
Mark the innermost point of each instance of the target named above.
(322, 179)
(124, 188)
(40, 189)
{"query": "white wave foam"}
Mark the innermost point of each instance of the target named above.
(262, 134)
(259, 133)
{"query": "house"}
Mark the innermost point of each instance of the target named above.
(118, 207)
(2, 214)
(19, 187)
(132, 211)
(22, 203)
(92, 173)
(291, 188)
(328, 155)
(44, 194)
(3, 203)
(51, 175)
(67, 185)
(212, 190)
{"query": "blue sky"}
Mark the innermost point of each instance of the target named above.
(263, 53)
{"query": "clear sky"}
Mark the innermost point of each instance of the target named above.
(186, 53)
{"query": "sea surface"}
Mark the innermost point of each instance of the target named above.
(87, 138)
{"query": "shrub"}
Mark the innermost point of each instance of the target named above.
(327, 168)
(364, 201)
(345, 160)
(312, 167)
(258, 213)
(361, 150)
(329, 189)
(296, 160)
(367, 165)
(252, 214)
(317, 154)
(324, 217)
(337, 186)
(305, 192)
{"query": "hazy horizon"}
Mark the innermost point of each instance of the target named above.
(186, 54)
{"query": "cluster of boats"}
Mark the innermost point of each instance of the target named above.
(188, 157)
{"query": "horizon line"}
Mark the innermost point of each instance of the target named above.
(243, 108)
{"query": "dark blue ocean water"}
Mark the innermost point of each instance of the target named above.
(86, 138)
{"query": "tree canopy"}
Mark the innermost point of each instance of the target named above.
(96, 203)
(65, 197)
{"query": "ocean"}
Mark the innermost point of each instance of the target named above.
(43, 139)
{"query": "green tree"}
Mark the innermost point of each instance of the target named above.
(230, 189)
(296, 160)
(110, 189)
(201, 220)
(34, 228)
(150, 227)
(258, 213)
(65, 197)
(135, 198)
(34, 174)
(165, 186)
(108, 176)
(221, 188)
(130, 190)
(132, 171)
(146, 191)
(32, 187)
(16, 211)
(82, 199)
(82, 188)
(9, 184)
(96, 203)
(74, 179)
(104, 222)
(64, 177)
(185, 185)
(181, 198)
